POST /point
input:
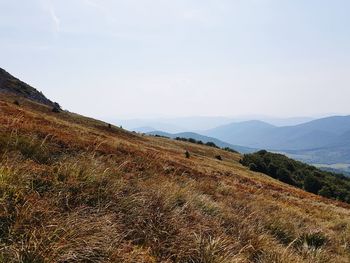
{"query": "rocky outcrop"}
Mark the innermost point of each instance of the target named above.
(12, 85)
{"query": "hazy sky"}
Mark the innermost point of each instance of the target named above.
(138, 58)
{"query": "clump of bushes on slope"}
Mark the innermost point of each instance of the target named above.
(210, 144)
(307, 177)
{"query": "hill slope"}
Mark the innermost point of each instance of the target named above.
(10, 84)
(74, 189)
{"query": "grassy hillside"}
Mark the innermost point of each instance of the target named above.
(73, 189)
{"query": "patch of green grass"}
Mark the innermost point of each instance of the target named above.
(315, 240)
(29, 147)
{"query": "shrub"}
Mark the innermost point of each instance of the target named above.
(325, 192)
(272, 170)
(284, 176)
(218, 157)
(211, 144)
(192, 140)
(312, 184)
(187, 154)
(56, 110)
(253, 167)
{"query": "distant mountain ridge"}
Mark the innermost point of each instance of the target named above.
(12, 85)
(242, 133)
(325, 140)
(199, 124)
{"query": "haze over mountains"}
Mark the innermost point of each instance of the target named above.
(310, 135)
(199, 123)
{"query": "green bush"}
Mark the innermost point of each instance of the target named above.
(312, 184)
(253, 167)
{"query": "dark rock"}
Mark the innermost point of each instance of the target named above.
(11, 85)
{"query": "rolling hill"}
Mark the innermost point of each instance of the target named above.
(75, 189)
(243, 133)
(204, 139)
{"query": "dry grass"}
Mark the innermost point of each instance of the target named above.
(74, 190)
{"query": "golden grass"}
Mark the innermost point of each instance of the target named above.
(74, 190)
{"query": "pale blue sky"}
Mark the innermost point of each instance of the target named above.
(138, 58)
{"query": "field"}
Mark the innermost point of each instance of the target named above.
(74, 189)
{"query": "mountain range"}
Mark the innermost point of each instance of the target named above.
(311, 135)
(325, 140)
(198, 123)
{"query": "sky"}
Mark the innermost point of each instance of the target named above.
(176, 58)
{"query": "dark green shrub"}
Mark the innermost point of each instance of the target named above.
(272, 170)
(211, 144)
(56, 110)
(312, 184)
(325, 192)
(253, 167)
(284, 176)
(192, 140)
(218, 157)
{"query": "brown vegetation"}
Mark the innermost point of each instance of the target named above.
(73, 189)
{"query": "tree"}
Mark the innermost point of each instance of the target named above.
(252, 167)
(325, 192)
(272, 170)
(312, 184)
(284, 176)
